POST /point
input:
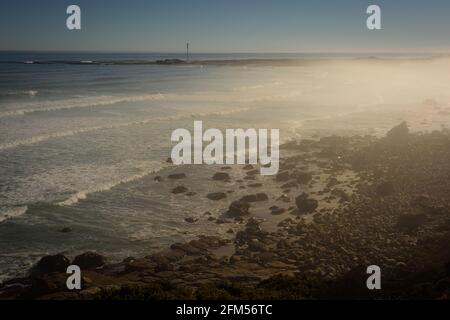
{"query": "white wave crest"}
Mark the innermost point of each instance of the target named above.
(68, 133)
(83, 194)
(46, 106)
(12, 212)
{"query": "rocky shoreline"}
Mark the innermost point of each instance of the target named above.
(344, 203)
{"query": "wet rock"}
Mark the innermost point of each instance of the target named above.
(191, 220)
(186, 248)
(282, 176)
(52, 263)
(174, 255)
(221, 176)
(160, 267)
(66, 230)
(215, 196)
(179, 189)
(305, 204)
(277, 211)
(138, 265)
(254, 198)
(238, 209)
(255, 185)
(177, 176)
(89, 260)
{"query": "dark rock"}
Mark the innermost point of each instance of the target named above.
(164, 266)
(215, 196)
(238, 209)
(277, 210)
(169, 160)
(158, 179)
(176, 176)
(221, 176)
(89, 260)
(255, 198)
(179, 189)
(66, 230)
(191, 194)
(399, 133)
(283, 176)
(248, 167)
(255, 185)
(306, 205)
(52, 263)
(191, 220)
(186, 248)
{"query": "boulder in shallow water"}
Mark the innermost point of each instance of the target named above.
(191, 220)
(305, 204)
(89, 260)
(52, 263)
(215, 196)
(283, 176)
(254, 197)
(179, 189)
(238, 209)
(221, 176)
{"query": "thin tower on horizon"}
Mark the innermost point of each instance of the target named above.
(187, 51)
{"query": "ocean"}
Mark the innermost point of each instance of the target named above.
(81, 145)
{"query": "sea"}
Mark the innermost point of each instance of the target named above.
(82, 144)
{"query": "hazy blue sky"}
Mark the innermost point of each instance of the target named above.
(226, 25)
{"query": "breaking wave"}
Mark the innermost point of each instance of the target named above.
(47, 106)
(83, 194)
(12, 212)
(68, 133)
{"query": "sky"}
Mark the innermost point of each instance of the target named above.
(226, 26)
